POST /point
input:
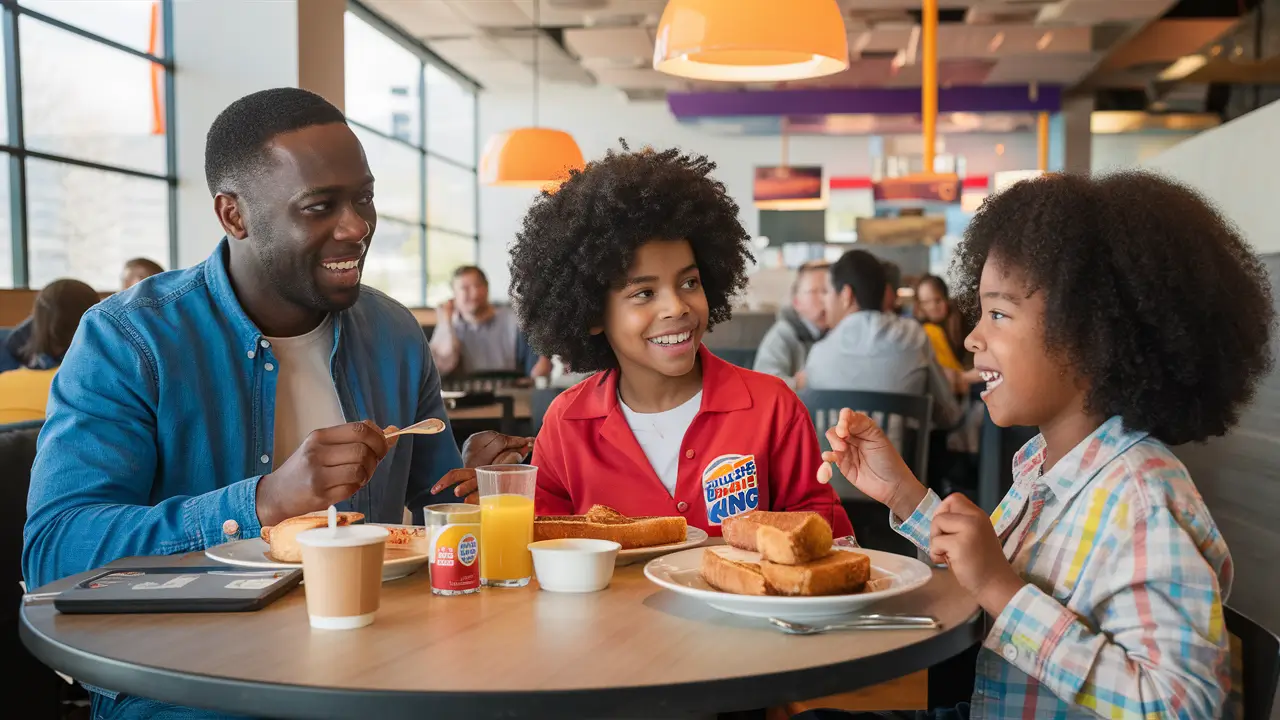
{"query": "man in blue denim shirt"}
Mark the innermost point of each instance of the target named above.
(194, 397)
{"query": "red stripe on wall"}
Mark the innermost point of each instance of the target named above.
(849, 182)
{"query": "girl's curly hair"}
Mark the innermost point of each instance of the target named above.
(1152, 296)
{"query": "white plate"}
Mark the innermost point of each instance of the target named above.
(693, 537)
(681, 573)
(400, 561)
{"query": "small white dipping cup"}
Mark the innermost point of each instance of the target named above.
(574, 565)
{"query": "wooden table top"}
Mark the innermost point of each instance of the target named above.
(631, 650)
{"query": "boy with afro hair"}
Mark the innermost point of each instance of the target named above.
(621, 272)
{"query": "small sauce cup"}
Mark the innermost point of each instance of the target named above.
(574, 565)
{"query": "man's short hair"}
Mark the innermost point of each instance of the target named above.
(239, 135)
(463, 270)
(860, 270)
(811, 266)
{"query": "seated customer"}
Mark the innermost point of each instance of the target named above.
(647, 253)
(252, 387)
(473, 336)
(943, 323)
(786, 346)
(24, 392)
(868, 349)
(137, 270)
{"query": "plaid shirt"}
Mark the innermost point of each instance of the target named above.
(1126, 574)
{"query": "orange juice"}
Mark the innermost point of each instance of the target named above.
(506, 524)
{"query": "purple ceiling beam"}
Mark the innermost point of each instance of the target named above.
(890, 101)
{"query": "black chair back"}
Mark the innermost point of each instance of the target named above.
(40, 686)
(538, 404)
(742, 357)
(17, 453)
(996, 449)
(904, 418)
(1260, 663)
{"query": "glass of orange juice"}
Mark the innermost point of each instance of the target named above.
(506, 524)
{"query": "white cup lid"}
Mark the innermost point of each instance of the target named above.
(343, 536)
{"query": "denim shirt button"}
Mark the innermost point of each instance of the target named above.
(268, 367)
(265, 344)
(250, 353)
(265, 459)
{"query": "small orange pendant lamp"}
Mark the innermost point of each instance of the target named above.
(751, 40)
(530, 156)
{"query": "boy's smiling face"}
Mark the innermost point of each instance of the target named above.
(655, 319)
(1026, 384)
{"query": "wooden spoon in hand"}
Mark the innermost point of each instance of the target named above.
(430, 426)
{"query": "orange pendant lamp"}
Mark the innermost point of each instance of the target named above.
(530, 156)
(751, 40)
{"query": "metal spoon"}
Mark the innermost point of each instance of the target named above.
(863, 622)
(430, 426)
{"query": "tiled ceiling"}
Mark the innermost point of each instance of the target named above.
(610, 42)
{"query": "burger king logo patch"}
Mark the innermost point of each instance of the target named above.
(730, 487)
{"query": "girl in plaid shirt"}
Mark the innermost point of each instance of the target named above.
(1119, 315)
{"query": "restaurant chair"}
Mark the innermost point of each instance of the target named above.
(742, 357)
(538, 404)
(906, 420)
(996, 448)
(484, 381)
(1259, 652)
(39, 688)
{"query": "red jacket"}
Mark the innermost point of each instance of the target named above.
(751, 446)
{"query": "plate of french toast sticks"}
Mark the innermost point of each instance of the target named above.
(641, 538)
(786, 565)
(408, 546)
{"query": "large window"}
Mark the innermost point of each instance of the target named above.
(416, 118)
(88, 177)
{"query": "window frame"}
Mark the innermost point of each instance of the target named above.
(427, 57)
(14, 148)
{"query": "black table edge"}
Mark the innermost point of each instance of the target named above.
(261, 699)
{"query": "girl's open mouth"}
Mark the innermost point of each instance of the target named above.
(993, 380)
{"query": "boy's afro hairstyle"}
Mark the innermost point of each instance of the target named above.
(1150, 294)
(578, 242)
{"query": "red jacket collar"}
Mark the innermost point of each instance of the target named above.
(723, 390)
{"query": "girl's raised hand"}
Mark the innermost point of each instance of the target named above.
(866, 457)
